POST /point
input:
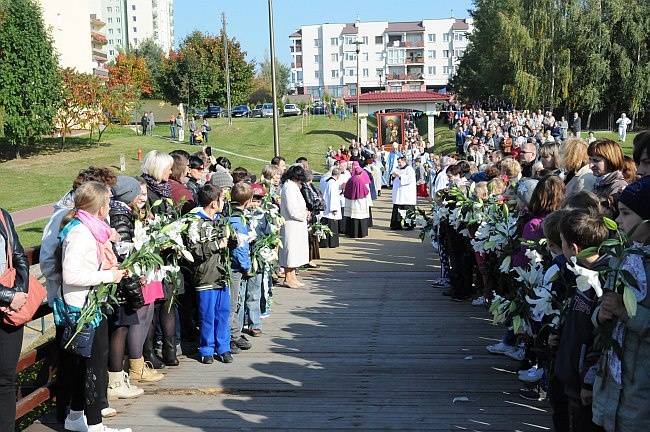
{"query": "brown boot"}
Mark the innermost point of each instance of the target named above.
(139, 370)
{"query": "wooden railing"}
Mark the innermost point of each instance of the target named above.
(42, 388)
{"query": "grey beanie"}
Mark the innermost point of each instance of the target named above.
(126, 189)
(221, 178)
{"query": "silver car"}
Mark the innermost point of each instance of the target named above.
(267, 110)
(291, 110)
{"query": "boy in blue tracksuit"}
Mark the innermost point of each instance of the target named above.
(212, 291)
(240, 262)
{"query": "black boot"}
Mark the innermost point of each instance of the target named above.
(169, 350)
(148, 352)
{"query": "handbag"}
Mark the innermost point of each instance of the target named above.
(35, 294)
(131, 293)
(78, 343)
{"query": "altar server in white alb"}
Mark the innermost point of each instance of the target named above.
(332, 214)
(404, 194)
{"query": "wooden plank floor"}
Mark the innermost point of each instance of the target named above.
(368, 344)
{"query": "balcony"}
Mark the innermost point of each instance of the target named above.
(100, 56)
(415, 60)
(101, 72)
(295, 48)
(98, 37)
(396, 44)
(395, 77)
(297, 65)
(415, 77)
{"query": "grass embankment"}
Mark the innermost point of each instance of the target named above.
(45, 173)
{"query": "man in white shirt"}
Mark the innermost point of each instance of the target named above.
(332, 213)
(404, 194)
(623, 122)
(342, 180)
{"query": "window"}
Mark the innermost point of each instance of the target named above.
(350, 72)
(132, 7)
(350, 56)
(365, 73)
(317, 74)
(365, 57)
(445, 53)
(335, 57)
(447, 70)
(316, 59)
(334, 41)
(135, 41)
(111, 52)
(135, 29)
(445, 37)
(379, 56)
(431, 37)
(396, 57)
(335, 91)
(299, 76)
(316, 42)
(365, 40)
(459, 53)
(335, 73)
(119, 41)
(117, 9)
(350, 40)
(396, 88)
(379, 40)
(432, 70)
(119, 30)
(379, 72)
(110, 20)
(118, 20)
(414, 87)
(109, 9)
(352, 89)
(134, 18)
(431, 54)
(110, 31)
(459, 36)
(110, 41)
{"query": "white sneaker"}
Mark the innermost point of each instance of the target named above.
(518, 353)
(527, 371)
(478, 301)
(500, 348)
(103, 428)
(78, 425)
(533, 376)
(109, 412)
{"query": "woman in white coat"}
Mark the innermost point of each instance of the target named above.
(295, 241)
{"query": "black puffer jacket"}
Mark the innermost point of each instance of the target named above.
(124, 223)
(19, 262)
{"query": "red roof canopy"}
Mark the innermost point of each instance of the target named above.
(380, 97)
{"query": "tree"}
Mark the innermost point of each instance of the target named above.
(30, 90)
(282, 75)
(131, 71)
(81, 102)
(196, 72)
(153, 56)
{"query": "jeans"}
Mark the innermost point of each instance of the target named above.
(11, 341)
(151, 129)
(252, 304)
(237, 295)
(214, 314)
(173, 131)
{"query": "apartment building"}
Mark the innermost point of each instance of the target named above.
(129, 22)
(392, 56)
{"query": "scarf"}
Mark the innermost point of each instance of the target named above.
(634, 264)
(162, 189)
(102, 232)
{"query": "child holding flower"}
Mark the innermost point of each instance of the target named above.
(622, 389)
(212, 291)
(575, 363)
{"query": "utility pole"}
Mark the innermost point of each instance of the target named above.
(225, 49)
(357, 43)
(274, 91)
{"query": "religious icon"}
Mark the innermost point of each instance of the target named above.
(391, 129)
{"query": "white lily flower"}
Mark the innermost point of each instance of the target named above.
(533, 256)
(586, 278)
(505, 265)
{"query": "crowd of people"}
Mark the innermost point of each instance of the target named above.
(518, 216)
(550, 234)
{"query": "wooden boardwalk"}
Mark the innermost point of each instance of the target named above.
(368, 344)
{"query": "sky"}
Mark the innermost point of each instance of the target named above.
(248, 20)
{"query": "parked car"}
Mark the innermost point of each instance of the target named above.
(241, 111)
(319, 108)
(291, 110)
(267, 110)
(257, 111)
(212, 111)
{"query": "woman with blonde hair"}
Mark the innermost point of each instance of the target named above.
(606, 161)
(575, 162)
(87, 260)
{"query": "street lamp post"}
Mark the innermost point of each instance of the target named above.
(357, 43)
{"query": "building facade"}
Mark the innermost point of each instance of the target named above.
(129, 22)
(392, 56)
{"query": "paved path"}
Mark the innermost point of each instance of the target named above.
(22, 217)
(367, 345)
